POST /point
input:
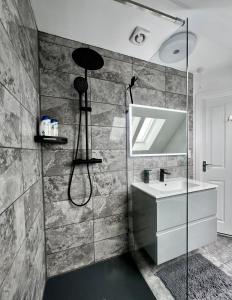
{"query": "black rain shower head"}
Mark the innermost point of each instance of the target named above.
(81, 85)
(88, 59)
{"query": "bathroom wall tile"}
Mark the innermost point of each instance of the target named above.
(173, 71)
(178, 84)
(148, 97)
(112, 160)
(35, 237)
(147, 64)
(111, 54)
(11, 177)
(29, 95)
(58, 58)
(107, 92)
(29, 129)
(113, 138)
(114, 70)
(149, 78)
(110, 183)
(11, 21)
(33, 203)
(64, 213)
(70, 259)
(56, 188)
(43, 36)
(108, 115)
(31, 165)
(26, 13)
(176, 101)
(61, 109)
(111, 247)
(69, 236)
(8, 237)
(155, 162)
(13, 285)
(10, 124)
(57, 84)
(104, 206)
(9, 65)
(110, 227)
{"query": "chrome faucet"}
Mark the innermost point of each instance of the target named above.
(162, 172)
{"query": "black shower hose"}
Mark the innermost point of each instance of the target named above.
(73, 164)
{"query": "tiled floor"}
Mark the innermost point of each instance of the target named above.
(219, 253)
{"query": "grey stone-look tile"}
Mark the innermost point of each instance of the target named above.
(111, 247)
(178, 84)
(58, 58)
(111, 54)
(176, 101)
(173, 71)
(56, 188)
(155, 162)
(114, 70)
(8, 237)
(108, 138)
(110, 227)
(112, 160)
(43, 36)
(33, 203)
(70, 259)
(61, 109)
(69, 236)
(31, 165)
(57, 84)
(26, 13)
(58, 162)
(11, 177)
(150, 97)
(11, 21)
(108, 115)
(110, 183)
(104, 206)
(64, 213)
(150, 78)
(29, 129)
(13, 285)
(9, 65)
(107, 92)
(10, 124)
(29, 95)
(146, 64)
(34, 238)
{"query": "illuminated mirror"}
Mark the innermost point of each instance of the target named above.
(157, 131)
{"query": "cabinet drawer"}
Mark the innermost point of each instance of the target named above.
(172, 243)
(171, 211)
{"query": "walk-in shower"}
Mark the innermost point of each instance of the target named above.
(87, 59)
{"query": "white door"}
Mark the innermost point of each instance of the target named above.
(215, 150)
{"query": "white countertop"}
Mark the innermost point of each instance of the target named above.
(150, 190)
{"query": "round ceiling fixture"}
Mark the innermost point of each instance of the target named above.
(174, 48)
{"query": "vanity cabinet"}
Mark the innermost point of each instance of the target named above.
(159, 224)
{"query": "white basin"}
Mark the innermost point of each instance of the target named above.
(172, 185)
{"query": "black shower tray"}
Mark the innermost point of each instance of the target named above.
(50, 139)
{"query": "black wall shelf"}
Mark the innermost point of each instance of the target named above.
(50, 139)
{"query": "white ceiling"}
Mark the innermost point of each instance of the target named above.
(108, 24)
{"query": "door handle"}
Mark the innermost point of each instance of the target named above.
(204, 166)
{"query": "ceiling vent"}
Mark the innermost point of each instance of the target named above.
(139, 36)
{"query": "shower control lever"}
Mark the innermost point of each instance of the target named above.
(85, 161)
(84, 108)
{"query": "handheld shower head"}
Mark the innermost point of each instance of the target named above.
(81, 85)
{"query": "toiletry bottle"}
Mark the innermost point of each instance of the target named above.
(146, 176)
(45, 124)
(54, 127)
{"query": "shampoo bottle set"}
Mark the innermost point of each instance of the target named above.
(48, 126)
